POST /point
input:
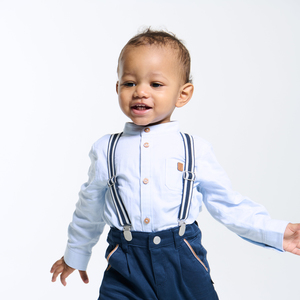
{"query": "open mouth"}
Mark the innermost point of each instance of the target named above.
(141, 107)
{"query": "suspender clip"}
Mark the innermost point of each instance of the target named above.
(188, 175)
(112, 180)
(182, 227)
(127, 233)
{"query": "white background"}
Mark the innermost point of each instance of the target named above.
(58, 64)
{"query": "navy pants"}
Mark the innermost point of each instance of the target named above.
(159, 265)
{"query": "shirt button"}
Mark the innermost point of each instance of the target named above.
(156, 240)
(147, 129)
(147, 221)
(146, 180)
(146, 145)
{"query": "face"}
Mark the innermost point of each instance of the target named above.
(150, 84)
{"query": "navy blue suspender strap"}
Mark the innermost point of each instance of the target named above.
(188, 181)
(119, 205)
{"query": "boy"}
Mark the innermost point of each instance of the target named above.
(154, 196)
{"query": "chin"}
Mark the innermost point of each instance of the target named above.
(141, 122)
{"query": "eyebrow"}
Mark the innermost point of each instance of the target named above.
(126, 73)
(151, 74)
(157, 74)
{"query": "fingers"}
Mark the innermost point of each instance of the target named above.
(291, 240)
(60, 267)
(66, 272)
(296, 251)
(56, 269)
(57, 263)
(84, 276)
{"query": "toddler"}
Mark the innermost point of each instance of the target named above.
(149, 183)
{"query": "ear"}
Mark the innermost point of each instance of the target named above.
(117, 87)
(186, 93)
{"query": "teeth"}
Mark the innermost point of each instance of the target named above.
(141, 106)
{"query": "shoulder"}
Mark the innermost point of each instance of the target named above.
(99, 147)
(101, 142)
(202, 146)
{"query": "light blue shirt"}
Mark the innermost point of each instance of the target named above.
(150, 185)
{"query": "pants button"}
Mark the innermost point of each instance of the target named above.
(156, 240)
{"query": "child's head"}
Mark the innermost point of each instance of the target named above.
(153, 71)
(163, 39)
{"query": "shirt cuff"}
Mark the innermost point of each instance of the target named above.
(273, 237)
(275, 232)
(76, 260)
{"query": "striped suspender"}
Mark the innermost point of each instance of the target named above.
(119, 205)
(188, 181)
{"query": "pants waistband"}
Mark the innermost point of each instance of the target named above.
(152, 239)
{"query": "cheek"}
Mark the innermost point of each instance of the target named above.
(121, 97)
(123, 102)
(124, 94)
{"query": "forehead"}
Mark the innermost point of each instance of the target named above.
(163, 49)
(149, 55)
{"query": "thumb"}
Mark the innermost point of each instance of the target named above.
(295, 227)
(84, 276)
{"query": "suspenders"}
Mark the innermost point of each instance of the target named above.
(189, 177)
(188, 181)
(119, 205)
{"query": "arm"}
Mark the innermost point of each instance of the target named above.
(240, 214)
(87, 224)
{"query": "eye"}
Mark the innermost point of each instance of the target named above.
(156, 84)
(128, 84)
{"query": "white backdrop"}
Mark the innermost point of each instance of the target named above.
(58, 64)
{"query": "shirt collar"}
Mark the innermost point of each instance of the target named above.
(164, 128)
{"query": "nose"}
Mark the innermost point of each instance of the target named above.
(141, 91)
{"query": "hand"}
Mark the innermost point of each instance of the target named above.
(60, 267)
(291, 238)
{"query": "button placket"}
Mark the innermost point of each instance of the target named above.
(146, 178)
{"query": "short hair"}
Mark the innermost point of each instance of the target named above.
(162, 38)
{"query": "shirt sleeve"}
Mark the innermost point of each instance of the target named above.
(241, 215)
(87, 223)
